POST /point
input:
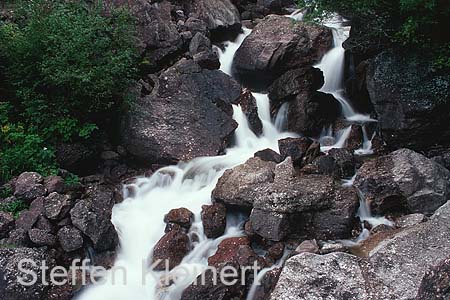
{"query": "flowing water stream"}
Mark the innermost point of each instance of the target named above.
(139, 218)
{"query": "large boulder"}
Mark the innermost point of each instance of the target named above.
(187, 115)
(10, 261)
(217, 14)
(393, 270)
(404, 181)
(413, 107)
(279, 44)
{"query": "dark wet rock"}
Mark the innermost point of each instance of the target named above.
(10, 288)
(199, 43)
(181, 216)
(188, 114)
(276, 5)
(355, 139)
(344, 160)
(269, 155)
(324, 164)
(77, 158)
(310, 112)
(412, 107)
(207, 287)
(308, 246)
(250, 109)
(394, 269)
(403, 181)
(28, 218)
(195, 25)
(6, 224)
(17, 238)
(207, 60)
(295, 82)
(57, 206)
(409, 220)
(41, 237)
(44, 224)
(55, 184)
(295, 148)
(239, 186)
(279, 44)
(227, 251)
(267, 284)
(436, 282)
(214, 218)
(70, 238)
(171, 249)
(276, 251)
(29, 186)
(270, 225)
(92, 216)
(312, 153)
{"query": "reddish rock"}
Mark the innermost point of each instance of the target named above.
(228, 250)
(355, 139)
(171, 249)
(181, 216)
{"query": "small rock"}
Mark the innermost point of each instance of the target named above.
(57, 206)
(29, 186)
(70, 238)
(180, 216)
(296, 148)
(330, 247)
(355, 139)
(207, 60)
(55, 184)
(227, 251)
(269, 155)
(276, 251)
(41, 237)
(29, 217)
(308, 246)
(214, 218)
(344, 160)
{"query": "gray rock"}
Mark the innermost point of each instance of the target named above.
(278, 44)
(344, 160)
(216, 14)
(412, 108)
(207, 60)
(55, 184)
(29, 186)
(188, 114)
(10, 288)
(404, 180)
(92, 216)
(214, 218)
(41, 237)
(240, 185)
(436, 282)
(409, 220)
(29, 217)
(270, 225)
(57, 206)
(199, 43)
(70, 238)
(308, 246)
(6, 224)
(393, 270)
(250, 109)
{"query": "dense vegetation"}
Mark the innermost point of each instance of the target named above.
(422, 24)
(65, 69)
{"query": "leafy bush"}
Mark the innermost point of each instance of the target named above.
(14, 207)
(66, 67)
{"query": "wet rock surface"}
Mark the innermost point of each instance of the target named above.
(214, 218)
(403, 181)
(170, 250)
(412, 107)
(188, 115)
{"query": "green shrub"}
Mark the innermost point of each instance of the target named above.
(15, 207)
(65, 68)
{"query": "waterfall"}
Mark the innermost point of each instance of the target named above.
(230, 47)
(139, 218)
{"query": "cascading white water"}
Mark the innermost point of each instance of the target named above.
(332, 66)
(230, 48)
(139, 218)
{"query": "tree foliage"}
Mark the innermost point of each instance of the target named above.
(65, 68)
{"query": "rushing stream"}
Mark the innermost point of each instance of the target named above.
(139, 218)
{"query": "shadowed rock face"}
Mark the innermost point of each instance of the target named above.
(279, 44)
(404, 180)
(412, 102)
(188, 114)
(393, 270)
(217, 14)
